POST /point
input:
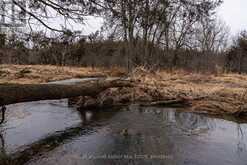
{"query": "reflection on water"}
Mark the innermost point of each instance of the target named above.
(75, 80)
(49, 132)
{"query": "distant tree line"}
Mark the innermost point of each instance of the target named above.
(236, 55)
(153, 33)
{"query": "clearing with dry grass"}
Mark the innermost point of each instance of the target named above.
(33, 74)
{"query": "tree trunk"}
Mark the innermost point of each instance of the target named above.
(13, 93)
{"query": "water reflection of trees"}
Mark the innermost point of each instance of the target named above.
(241, 144)
(2, 143)
(193, 123)
(88, 126)
(4, 158)
(187, 122)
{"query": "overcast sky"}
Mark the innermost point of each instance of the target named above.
(234, 13)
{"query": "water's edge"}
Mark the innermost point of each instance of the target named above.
(51, 132)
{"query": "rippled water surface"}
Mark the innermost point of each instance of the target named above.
(51, 133)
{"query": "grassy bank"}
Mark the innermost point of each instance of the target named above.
(203, 93)
(206, 93)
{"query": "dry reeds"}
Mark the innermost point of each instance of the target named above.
(222, 94)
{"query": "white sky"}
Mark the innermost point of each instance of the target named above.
(91, 24)
(234, 13)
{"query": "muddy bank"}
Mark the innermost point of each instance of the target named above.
(213, 105)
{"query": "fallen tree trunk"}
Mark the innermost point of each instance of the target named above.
(13, 93)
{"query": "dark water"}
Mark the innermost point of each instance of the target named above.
(51, 133)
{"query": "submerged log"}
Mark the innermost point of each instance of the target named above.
(13, 93)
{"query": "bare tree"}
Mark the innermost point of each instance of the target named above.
(236, 56)
(167, 23)
(41, 12)
(211, 36)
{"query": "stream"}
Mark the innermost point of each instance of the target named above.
(52, 133)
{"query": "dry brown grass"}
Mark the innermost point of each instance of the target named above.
(32, 74)
(214, 94)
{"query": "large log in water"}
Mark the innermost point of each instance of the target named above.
(13, 93)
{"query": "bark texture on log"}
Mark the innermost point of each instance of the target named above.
(13, 93)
